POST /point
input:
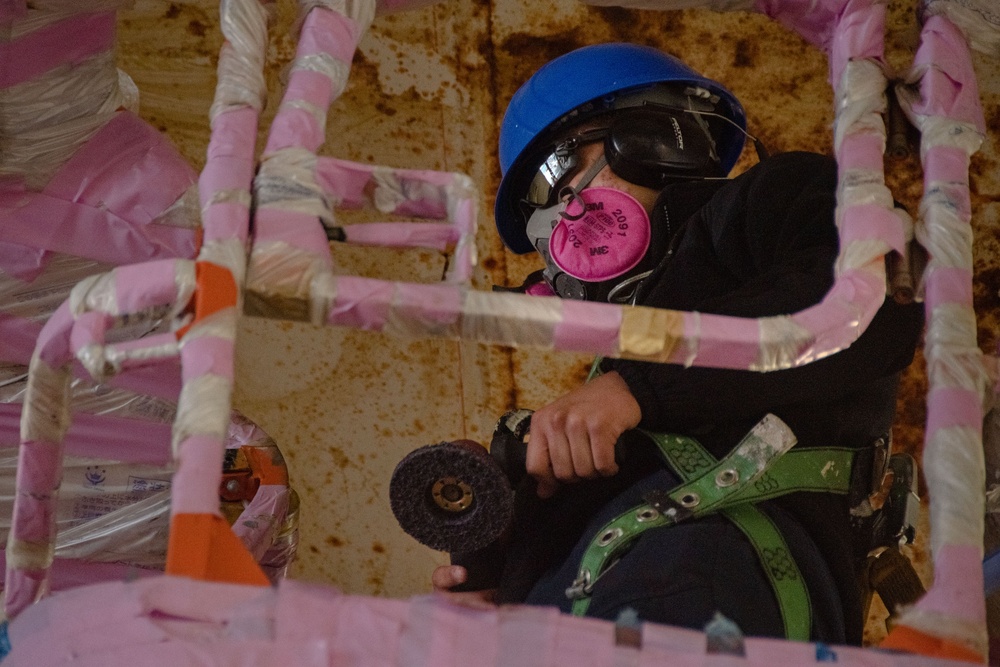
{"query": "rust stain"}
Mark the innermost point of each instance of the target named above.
(521, 54)
(340, 459)
(510, 391)
(991, 113)
(904, 178)
(745, 53)
(986, 299)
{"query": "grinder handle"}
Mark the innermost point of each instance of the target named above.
(510, 451)
(483, 567)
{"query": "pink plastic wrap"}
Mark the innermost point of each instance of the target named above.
(402, 234)
(114, 497)
(97, 205)
(978, 20)
(46, 418)
(21, 263)
(169, 621)
(12, 9)
(587, 329)
(101, 437)
(80, 37)
(228, 169)
(949, 115)
(18, 336)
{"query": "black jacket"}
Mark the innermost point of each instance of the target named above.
(761, 244)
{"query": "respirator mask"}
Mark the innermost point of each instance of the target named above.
(593, 240)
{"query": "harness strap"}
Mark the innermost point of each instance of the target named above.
(787, 581)
(759, 467)
(710, 483)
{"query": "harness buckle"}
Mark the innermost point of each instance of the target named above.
(581, 587)
(662, 502)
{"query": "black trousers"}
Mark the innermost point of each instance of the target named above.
(679, 575)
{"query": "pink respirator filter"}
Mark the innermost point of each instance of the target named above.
(610, 238)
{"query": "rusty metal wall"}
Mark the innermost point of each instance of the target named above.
(427, 90)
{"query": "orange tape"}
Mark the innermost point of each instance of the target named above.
(215, 290)
(267, 465)
(904, 638)
(203, 547)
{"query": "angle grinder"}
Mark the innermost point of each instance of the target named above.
(458, 497)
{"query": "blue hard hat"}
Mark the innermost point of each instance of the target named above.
(580, 85)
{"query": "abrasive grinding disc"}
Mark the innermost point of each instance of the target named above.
(451, 496)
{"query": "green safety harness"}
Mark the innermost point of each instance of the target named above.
(760, 467)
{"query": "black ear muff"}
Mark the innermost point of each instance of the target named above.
(653, 147)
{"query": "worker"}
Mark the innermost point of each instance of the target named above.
(625, 134)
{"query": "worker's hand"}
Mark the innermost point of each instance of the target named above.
(447, 576)
(574, 437)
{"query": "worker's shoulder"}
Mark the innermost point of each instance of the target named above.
(791, 171)
(804, 162)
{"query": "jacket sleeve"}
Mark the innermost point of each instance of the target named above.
(764, 245)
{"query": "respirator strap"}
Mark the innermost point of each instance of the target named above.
(574, 191)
